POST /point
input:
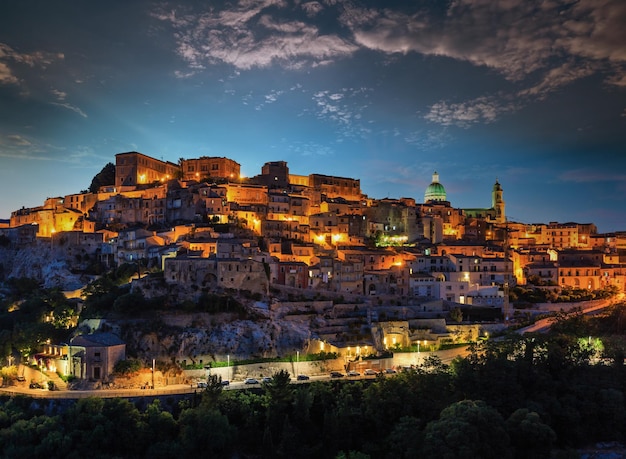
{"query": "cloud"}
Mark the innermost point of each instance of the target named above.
(71, 107)
(525, 41)
(17, 140)
(464, 114)
(558, 77)
(252, 34)
(515, 37)
(427, 140)
(537, 46)
(10, 59)
(6, 76)
(312, 8)
(310, 149)
(345, 109)
(587, 176)
(60, 95)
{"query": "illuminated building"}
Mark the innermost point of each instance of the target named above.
(291, 274)
(335, 187)
(495, 213)
(52, 217)
(567, 235)
(210, 167)
(244, 194)
(100, 352)
(435, 191)
(133, 168)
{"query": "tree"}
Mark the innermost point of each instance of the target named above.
(465, 430)
(456, 315)
(206, 432)
(530, 437)
(106, 177)
(406, 438)
(280, 394)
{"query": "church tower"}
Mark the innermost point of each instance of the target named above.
(497, 203)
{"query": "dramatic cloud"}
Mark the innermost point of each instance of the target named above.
(520, 39)
(516, 37)
(252, 34)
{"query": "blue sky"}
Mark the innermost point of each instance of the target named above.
(532, 93)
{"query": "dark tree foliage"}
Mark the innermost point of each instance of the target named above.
(516, 397)
(466, 430)
(106, 177)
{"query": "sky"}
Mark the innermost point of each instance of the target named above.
(530, 93)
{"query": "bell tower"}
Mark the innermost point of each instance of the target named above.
(497, 202)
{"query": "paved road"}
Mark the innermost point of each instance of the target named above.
(544, 324)
(180, 389)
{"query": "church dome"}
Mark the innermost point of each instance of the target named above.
(435, 191)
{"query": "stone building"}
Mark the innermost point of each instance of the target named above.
(134, 168)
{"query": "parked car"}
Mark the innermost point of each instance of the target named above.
(267, 379)
(336, 374)
(353, 373)
(201, 385)
(35, 385)
(225, 382)
(370, 372)
(251, 381)
(390, 371)
(303, 378)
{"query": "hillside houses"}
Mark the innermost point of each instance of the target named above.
(207, 226)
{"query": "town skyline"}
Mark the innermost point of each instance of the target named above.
(528, 93)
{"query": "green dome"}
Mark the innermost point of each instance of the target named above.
(435, 191)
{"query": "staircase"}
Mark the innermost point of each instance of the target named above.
(58, 382)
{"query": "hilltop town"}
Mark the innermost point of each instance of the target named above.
(317, 265)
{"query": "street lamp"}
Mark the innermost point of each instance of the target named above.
(418, 353)
(227, 366)
(297, 362)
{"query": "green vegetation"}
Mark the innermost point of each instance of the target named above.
(31, 315)
(526, 295)
(536, 396)
(128, 366)
(106, 177)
